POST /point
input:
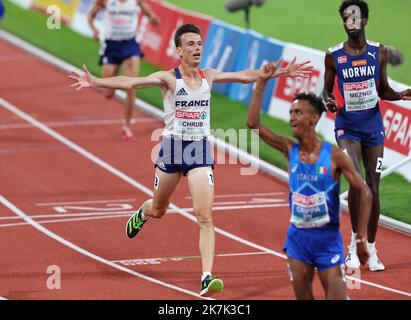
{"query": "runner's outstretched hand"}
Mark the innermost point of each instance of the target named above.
(84, 80)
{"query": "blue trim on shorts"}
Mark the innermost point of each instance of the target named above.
(116, 52)
(320, 248)
(371, 139)
(182, 156)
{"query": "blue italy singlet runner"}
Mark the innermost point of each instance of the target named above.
(313, 236)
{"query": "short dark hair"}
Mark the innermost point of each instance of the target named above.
(185, 28)
(361, 3)
(316, 103)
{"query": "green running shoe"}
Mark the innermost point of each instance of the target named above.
(135, 223)
(211, 285)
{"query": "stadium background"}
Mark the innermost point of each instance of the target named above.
(315, 26)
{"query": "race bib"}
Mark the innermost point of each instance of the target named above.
(309, 211)
(191, 124)
(360, 95)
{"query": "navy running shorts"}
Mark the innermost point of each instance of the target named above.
(182, 156)
(372, 139)
(115, 52)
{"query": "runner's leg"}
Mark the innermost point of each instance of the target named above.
(164, 186)
(372, 177)
(109, 70)
(201, 184)
(353, 149)
(332, 280)
(301, 276)
(131, 67)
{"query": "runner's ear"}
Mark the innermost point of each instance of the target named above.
(364, 22)
(314, 118)
(179, 52)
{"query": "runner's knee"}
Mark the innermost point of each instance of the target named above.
(374, 187)
(204, 216)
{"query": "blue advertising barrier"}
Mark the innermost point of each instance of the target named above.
(223, 45)
(256, 50)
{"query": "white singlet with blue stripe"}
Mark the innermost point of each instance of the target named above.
(121, 20)
(187, 114)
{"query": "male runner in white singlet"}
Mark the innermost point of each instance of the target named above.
(185, 150)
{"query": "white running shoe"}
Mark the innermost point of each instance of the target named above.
(352, 261)
(374, 264)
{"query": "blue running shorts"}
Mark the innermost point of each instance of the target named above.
(320, 248)
(372, 139)
(182, 156)
(115, 52)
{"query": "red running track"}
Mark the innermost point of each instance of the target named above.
(83, 189)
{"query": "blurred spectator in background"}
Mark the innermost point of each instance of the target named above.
(119, 47)
(2, 9)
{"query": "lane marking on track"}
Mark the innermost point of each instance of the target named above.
(2, 298)
(148, 192)
(144, 261)
(71, 245)
(69, 215)
(6, 225)
(83, 202)
(74, 123)
(116, 214)
(249, 202)
(237, 195)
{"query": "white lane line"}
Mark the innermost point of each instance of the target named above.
(6, 225)
(146, 190)
(71, 245)
(81, 214)
(74, 123)
(250, 202)
(137, 261)
(84, 202)
(240, 195)
(69, 215)
(2, 298)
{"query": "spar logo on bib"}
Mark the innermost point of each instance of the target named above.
(193, 115)
(355, 86)
(203, 115)
(304, 200)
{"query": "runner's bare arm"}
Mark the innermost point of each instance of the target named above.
(345, 165)
(148, 12)
(275, 140)
(86, 80)
(293, 69)
(245, 76)
(98, 5)
(385, 92)
(329, 76)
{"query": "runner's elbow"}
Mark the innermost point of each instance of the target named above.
(252, 124)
